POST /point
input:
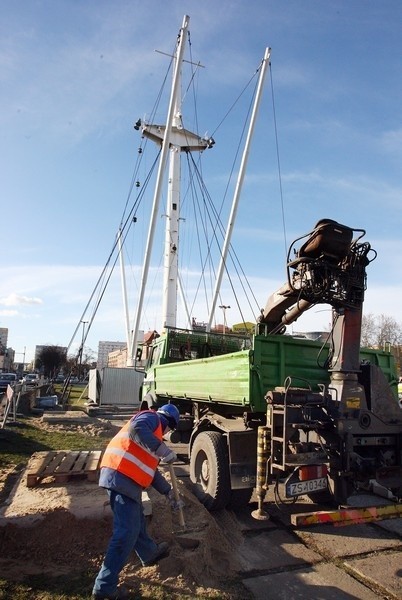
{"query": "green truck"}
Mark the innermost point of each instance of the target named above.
(320, 419)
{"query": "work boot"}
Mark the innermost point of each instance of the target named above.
(161, 551)
(120, 594)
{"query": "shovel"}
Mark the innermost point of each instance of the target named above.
(176, 495)
(184, 541)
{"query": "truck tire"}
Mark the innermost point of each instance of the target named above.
(209, 470)
(148, 401)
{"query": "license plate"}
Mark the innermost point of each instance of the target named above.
(306, 487)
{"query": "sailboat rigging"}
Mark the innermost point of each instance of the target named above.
(174, 140)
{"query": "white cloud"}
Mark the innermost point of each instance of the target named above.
(14, 299)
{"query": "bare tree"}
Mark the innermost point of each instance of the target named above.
(380, 331)
(51, 359)
(88, 357)
(369, 327)
(388, 331)
(78, 367)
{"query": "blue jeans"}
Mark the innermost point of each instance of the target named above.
(129, 533)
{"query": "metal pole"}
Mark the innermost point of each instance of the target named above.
(82, 347)
(159, 181)
(239, 185)
(224, 309)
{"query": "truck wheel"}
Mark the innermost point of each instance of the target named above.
(148, 401)
(209, 470)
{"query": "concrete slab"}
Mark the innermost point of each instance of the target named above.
(323, 581)
(392, 525)
(369, 499)
(275, 549)
(383, 571)
(332, 542)
(66, 416)
(246, 522)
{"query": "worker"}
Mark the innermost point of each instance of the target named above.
(129, 465)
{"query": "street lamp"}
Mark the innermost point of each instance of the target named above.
(224, 308)
(82, 346)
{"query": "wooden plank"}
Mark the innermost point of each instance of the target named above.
(68, 461)
(93, 462)
(80, 462)
(93, 465)
(54, 464)
(40, 461)
(37, 465)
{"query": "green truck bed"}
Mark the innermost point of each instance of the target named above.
(242, 378)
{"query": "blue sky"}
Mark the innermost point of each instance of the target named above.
(76, 75)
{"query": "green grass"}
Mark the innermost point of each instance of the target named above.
(46, 588)
(20, 440)
(77, 395)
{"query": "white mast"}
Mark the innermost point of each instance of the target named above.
(174, 139)
(239, 184)
(170, 262)
(159, 181)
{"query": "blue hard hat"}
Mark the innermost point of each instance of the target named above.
(171, 414)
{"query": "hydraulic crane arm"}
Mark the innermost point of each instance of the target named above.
(329, 268)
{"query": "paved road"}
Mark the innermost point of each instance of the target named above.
(321, 562)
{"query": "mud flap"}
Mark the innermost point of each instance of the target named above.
(242, 459)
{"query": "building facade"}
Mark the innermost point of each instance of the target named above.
(114, 354)
(6, 354)
(105, 348)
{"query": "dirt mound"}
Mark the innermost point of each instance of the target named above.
(58, 542)
(77, 422)
(201, 560)
(200, 554)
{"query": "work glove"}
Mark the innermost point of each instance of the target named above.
(169, 458)
(174, 504)
(166, 455)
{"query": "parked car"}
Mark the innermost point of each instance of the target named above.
(7, 379)
(72, 380)
(31, 379)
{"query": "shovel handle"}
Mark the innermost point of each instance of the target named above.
(176, 495)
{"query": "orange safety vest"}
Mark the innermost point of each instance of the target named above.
(133, 460)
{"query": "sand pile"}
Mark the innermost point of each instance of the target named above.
(55, 539)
